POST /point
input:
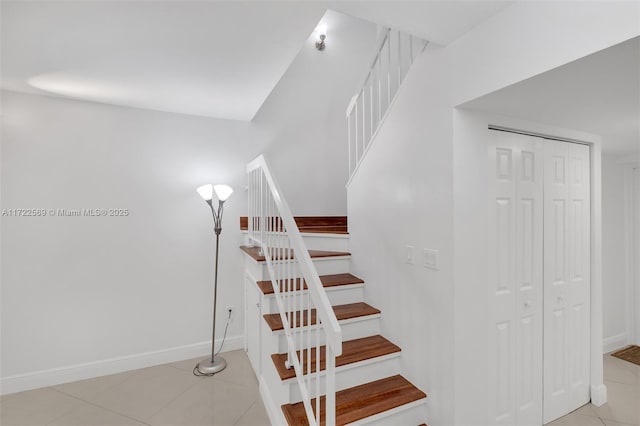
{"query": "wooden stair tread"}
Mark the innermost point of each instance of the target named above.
(312, 224)
(352, 351)
(343, 312)
(327, 281)
(361, 401)
(254, 252)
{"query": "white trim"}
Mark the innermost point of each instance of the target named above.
(598, 388)
(72, 373)
(614, 342)
(269, 405)
(598, 395)
(635, 274)
(631, 288)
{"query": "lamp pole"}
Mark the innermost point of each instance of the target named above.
(215, 297)
(214, 364)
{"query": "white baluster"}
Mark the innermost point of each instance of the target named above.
(330, 386)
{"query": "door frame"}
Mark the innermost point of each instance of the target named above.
(632, 251)
(635, 250)
(597, 386)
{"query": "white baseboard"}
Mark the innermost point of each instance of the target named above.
(614, 342)
(72, 373)
(599, 395)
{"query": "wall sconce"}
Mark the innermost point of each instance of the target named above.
(321, 30)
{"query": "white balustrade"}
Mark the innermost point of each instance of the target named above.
(273, 229)
(368, 108)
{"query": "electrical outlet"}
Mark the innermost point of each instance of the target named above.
(409, 258)
(431, 258)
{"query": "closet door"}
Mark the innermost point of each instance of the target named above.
(515, 276)
(566, 277)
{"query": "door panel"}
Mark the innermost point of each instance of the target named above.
(579, 274)
(566, 277)
(515, 297)
(529, 187)
(502, 278)
(556, 282)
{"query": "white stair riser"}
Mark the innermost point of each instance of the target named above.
(337, 296)
(350, 376)
(350, 330)
(329, 242)
(324, 266)
(411, 414)
(332, 242)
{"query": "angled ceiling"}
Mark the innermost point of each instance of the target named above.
(599, 93)
(440, 22)
(217, 59)
(211, 58)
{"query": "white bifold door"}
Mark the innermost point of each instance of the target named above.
(539, 283)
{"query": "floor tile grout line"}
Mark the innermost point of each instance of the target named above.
(621, 383)
(63, 414)
(247, 410)
(177, 368)
(173, 399)
(236, 383)
(98, 406)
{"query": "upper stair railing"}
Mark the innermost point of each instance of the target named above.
(307, 316)
(368, 108)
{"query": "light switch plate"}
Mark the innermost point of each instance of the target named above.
(409, 256)
(431, 258)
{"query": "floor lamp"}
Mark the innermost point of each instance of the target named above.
(214, 364)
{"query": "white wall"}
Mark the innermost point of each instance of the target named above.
(614, 253)
(402, 196)
(84, 289)
(302, 123)
(531, 37)
(424, 184)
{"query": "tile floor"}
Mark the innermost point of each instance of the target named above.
(170, 395)
(623, 393)
(164, 395)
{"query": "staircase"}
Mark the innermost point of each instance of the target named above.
(306, 377)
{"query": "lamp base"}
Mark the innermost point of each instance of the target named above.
(206, 366)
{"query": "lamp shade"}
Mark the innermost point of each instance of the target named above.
(206, 191)
(223, 191)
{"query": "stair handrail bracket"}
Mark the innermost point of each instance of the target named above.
(273, 229)
(368, 108)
